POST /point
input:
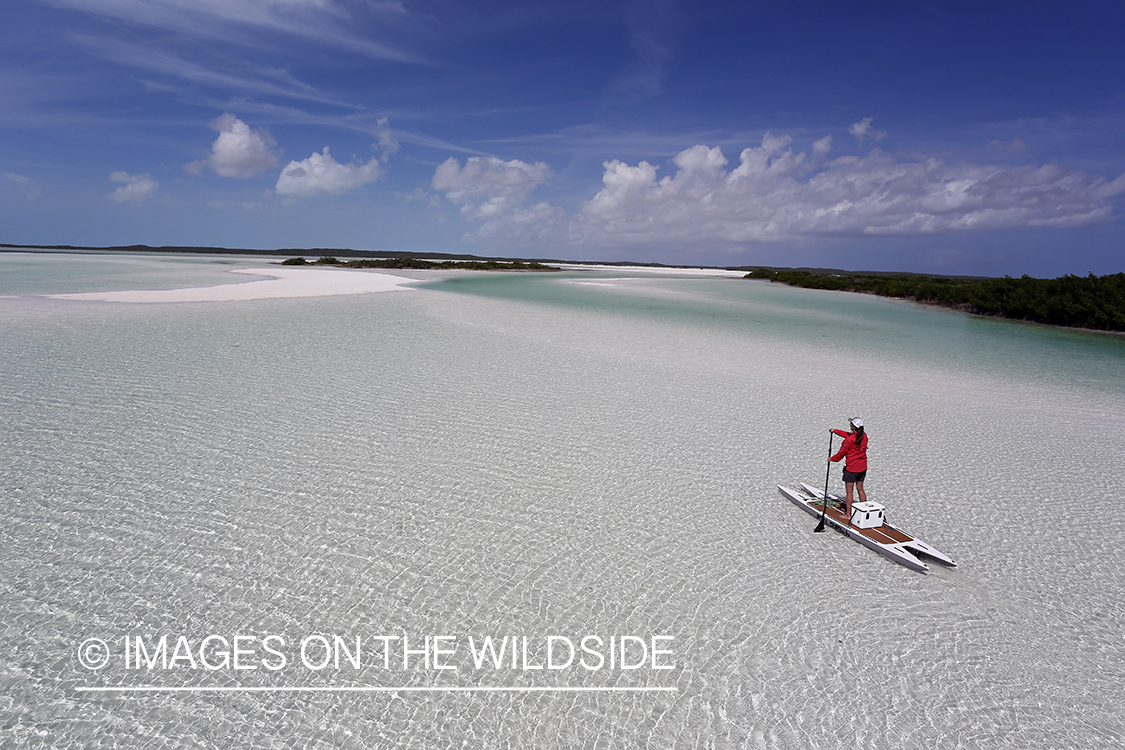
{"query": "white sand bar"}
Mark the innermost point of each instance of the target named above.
(286, 282)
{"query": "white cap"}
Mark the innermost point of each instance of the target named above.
(857, 422)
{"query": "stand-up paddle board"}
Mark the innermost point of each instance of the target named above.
(868, 526)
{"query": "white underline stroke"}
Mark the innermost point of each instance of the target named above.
(373, 689)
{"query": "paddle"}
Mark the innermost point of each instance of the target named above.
(824, 502)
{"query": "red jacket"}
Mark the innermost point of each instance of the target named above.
(856, 454)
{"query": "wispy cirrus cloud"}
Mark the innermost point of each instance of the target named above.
(323, 21)
(245, 78)
(223, 83)
(653, 37)
(361, 121)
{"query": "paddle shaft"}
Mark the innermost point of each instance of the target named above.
(827, 472)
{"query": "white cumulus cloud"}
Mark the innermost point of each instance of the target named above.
(776, 193)
(24, 184)
(135, 188)
(539, 224)
(863, 130)
(320, 173)
(387, 143)
(239, 151)
(488, 187)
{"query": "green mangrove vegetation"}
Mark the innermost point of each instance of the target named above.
(1094, 302)
(469, 265)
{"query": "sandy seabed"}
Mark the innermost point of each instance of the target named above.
(466, 465)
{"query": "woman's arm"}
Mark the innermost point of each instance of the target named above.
(849, 438)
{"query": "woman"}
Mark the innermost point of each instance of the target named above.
(855, 467)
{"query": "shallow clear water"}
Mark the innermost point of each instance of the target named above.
(532, 456)
(48, 272)
(856, 326)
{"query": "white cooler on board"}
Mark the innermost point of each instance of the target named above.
(867, 515)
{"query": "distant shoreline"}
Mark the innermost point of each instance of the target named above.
(351, 253)
(1087, 303)
(1094, 304)
(345, 253)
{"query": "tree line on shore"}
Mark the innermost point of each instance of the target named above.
(471, 265)
(1094, 302)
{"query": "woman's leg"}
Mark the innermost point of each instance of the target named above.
(851, 489)
(862, 494)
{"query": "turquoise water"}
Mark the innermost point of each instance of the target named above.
(49, 272)
(856, 326)
(540, 458)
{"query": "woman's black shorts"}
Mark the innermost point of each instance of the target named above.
(851, 476)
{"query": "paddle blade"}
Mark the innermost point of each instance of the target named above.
(823, 510)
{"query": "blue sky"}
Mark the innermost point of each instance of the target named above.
(979, 137)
